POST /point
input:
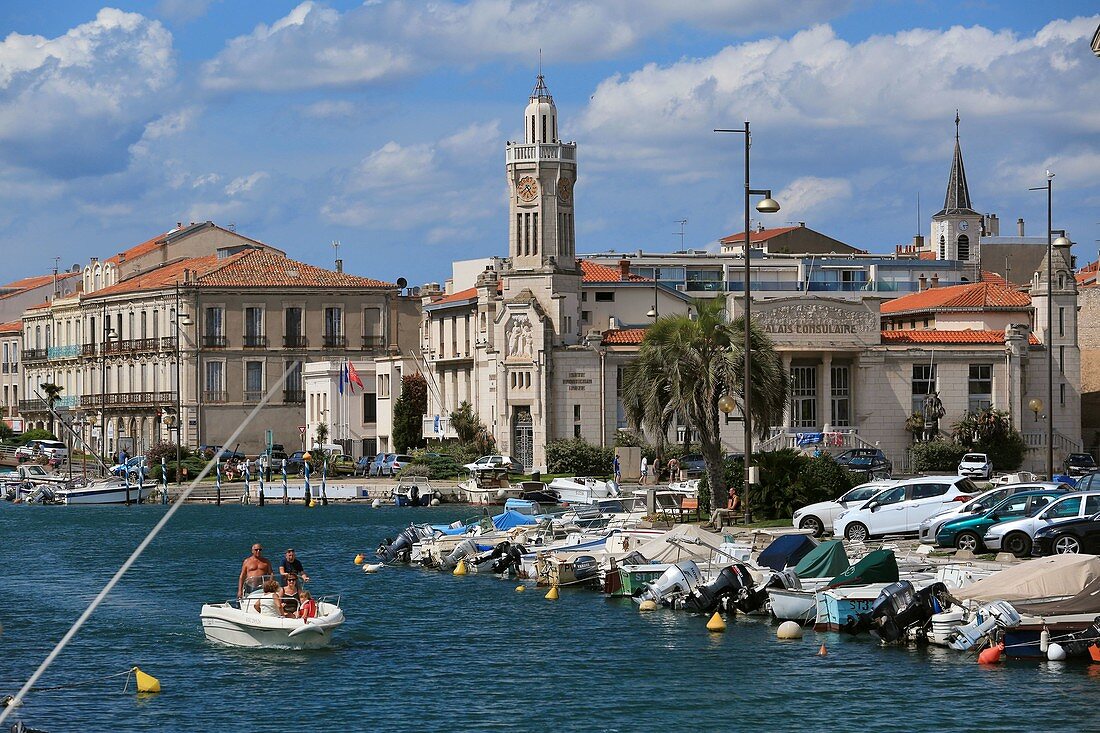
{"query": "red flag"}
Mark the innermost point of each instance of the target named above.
(353, 376)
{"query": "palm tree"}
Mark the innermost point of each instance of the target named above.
(52, 394)
(685, 365)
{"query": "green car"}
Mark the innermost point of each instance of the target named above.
(965, 533)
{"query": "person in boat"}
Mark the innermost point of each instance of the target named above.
(308, 606)
(268, 603)
(290, 596)
(253, 570)
(291, 565)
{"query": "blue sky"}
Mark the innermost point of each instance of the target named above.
(382, 124)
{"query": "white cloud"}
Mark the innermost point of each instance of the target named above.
(244, 184)
(207, 179)
(810, 195)
(74, 104)
(183, 11)
(314, 46)
(329, 109)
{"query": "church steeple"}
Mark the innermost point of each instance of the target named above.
(957, 200)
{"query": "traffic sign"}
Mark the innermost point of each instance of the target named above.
(302, 430)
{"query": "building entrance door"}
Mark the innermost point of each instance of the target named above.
(523, 438)
(804, 397)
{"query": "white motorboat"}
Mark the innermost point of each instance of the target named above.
(230, 624)
(583, 490)
(105, 491)
(489, 486)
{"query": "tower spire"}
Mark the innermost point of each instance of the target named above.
(957, 200)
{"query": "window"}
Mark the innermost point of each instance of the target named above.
(841, 404)
(383, 385)
(980, 387)
(620, 411)
(254, 326)
(893, 496)
(215, 382)
(576, 421)
(804, 397)
(1062, 393)
(605, 296)
(586, 316)
(144, 325)
(334, 326)
(214, 333)
(372, 328)
(293, 328)
(1092, 505)
(584, 296)
(1069, 507)
(1062, 359)
(1061, 321)
(943, 249)
(370, 408)
(927, 491)
(253, 381)
(924, 384)
(964, 247)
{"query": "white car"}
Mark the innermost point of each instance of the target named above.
(901, 509)
(930, 527)
(976, 465)
(490, 463)
(819, 517)
(1017, 535)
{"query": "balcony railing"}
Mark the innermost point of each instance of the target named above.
(373, 342)
(128, 399)
(26, 406)
(294, 396)
(34, 355)
(295, 342)
(63, 352)
(213, 342)
(214, 396)
(36, 405)
(87, 350)
(131, 346)
(254, 395)
(437, 426)
(335, 342)
(255, 342)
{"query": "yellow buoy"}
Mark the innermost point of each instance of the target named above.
(822, 651)
(146, 682)
(716, 623)
(460, 569)
(552, 594)
(647, 605)
(520, 588)
(312, 503)
(359, 559)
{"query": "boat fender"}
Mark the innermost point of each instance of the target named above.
(992, 655)
(1044, 640)
(1055, 652)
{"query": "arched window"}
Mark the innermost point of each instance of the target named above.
(943, 249)
(963, 243)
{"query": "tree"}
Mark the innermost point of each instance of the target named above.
(685, 365)
(322, 434)
(408, 413)
(991, 432)
(466, 423)
(52, 394)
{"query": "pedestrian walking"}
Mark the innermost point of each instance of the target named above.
(618, 469)
(673, 470)
(645, 470)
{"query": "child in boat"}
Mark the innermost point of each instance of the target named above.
(308, 608)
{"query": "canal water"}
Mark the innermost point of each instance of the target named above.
(423, 650)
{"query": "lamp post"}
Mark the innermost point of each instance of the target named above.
(108, 332)
(181, 321)
(767, 206)
(1061, 241)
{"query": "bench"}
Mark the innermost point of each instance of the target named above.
(689, 505)
(722, 517)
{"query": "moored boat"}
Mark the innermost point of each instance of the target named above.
(105, 491)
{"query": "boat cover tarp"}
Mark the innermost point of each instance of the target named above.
(1056, 582)
(694, 539)
(510, 518)
(878, 567)
(827, 560)
(785, 550)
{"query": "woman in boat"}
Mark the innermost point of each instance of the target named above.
(268, 604)
(290, 597)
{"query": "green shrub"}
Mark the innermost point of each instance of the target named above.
(788, 480)
(991, 432)
(36, 434)
(433, 467)
(936, 455)
(577, 457)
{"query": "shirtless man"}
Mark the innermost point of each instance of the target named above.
(254, 567)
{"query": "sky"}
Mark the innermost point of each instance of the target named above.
(382, 124)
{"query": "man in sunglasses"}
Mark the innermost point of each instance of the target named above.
(253, 570)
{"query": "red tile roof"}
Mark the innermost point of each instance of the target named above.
(594, 272)
(926, 255)
(948, 337)
(756, 236)
(30, 283)
(623, 337)
(971, 296)
(11, 327)
(139, 249)
(993, 277)
(262, 268)
(161, 277)
(467, 294)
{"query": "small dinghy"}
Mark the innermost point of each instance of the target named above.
(230, 624)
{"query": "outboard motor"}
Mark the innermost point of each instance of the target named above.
(400, 548)
(706, 598)
(680, 579)
(463, 549)
(585, 567)
(990, 617)
(511, 558)
(900, 608)
(492, 555)
(1077, 644)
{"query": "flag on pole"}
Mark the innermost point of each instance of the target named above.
(353, 376)
(343, 370)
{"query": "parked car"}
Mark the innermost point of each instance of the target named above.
(870, 461)
(901, 509)
(295, 464)
(1091, 482)
(341, 464)
(1017, 536)
(966, 532)
(976, 465)
(1070, 537)
(131, 467)
(929, 528)
(394, 463)
(693, 465)
(496, 462)
(362, 466)
(376, 465)
(1018, 477)
(818, 518)
(52, 449)
(1080, 464)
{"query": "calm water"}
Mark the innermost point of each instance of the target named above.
(423, 650)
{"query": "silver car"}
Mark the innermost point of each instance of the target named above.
(1018, 535)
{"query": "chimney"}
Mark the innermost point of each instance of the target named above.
(186, 275)
(1020, 227)
(918, 241)
(802, 224)
(935, 280)
(624, 269)
(179, 225)
(922, 284)
(339, 265)
(121, 257)
(992, 225)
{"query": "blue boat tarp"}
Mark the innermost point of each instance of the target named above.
(827, 560)
(879, 567)
(786, 550)
(511, 518)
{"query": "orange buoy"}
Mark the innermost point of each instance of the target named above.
(992, 655)
(823, 652)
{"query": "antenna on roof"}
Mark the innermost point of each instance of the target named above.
(682, 223)
(918, 213)
(336, 245)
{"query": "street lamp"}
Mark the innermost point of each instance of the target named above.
(767, 206)
(1035, 405)
(1061, 242)
(108, 332)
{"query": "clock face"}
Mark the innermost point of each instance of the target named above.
(964, 225)
(565, 190)
(527, 188)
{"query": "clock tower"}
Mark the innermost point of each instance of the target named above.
(956, 228)
(541, 173)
